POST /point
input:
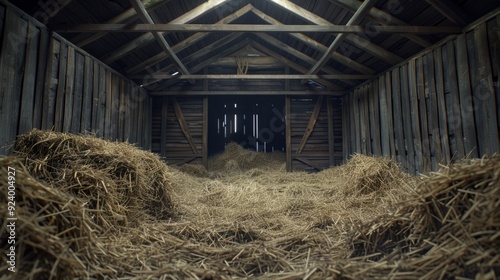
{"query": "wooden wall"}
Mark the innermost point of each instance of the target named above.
(48, 83)
(440, 106)
(310, 115)
(178, 129)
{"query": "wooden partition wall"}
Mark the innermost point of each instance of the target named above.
(440, 106)
(48, 83)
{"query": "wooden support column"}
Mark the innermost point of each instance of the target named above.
(312, 122)
(331, 135)
(163, 138)
(288, 128)
(183, 125)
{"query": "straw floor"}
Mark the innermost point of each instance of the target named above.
(91, 209)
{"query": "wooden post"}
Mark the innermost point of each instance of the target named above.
(164, 116)
(288, 125)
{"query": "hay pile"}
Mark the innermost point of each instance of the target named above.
(114, 179)
(363, 220)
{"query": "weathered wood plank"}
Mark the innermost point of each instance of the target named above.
(407, 119)
(308, 162)
(352, 128)
(390, 119)
(422, 99)
(415, 117)
(363, 124)
(127, 117)
(108, 110)
(331, 131)
(375, 119)
(384, 118)
(183, 124)
(44, 54)
(205, 132)
(441, 104)
(147, 127)
(122, 111)
(466, 102)
(357, 120)
(76, 119)
(163, 129)
(26, 119)
(86, 124)
(432, 111)
(50, 85)
(140, 120)
(134, 101)
(95, 95)
(310, 125)
(101, 106)
(288, 132)
(453, 108)
(70, 90)
(11, 64)
(115, 106)
(61, 88)
(484, 96)
(398, 117)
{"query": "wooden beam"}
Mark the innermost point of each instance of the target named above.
(50, 9)
(355, 19)
(277, 43)
(148, 38)
(246, 92)
(362, 43)
(318, 46)
(143, 14)
(383, 18)
(295, 66)
(183, 124)
(225, 52)
(310, 125)
(331, 131)
(308, 162)
(288, 132)
(450, 10)
(149, 78)
(126, 17)
(265, 62)
(263, 77)
(187, 42)
(259, 28)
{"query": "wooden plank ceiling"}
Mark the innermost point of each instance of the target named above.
(329, 45)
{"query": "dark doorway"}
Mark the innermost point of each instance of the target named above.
(254, 122)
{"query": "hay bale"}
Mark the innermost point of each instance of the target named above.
(450, 228)
(53, 229)
(116, 180)
(235, 159)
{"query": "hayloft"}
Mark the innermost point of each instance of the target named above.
(236, 139)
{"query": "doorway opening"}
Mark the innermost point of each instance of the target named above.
(254, 122)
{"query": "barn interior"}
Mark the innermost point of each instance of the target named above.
(268, 139)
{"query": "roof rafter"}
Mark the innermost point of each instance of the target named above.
(192, 57)
(294, 65)
(187, 42)
(451, 11)
(277, 43)
(148, 38)
(317, 45)
(381, 17)
(355, 19)
(143, 14)
(126, 17)
(360, 42)
(225, 52)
